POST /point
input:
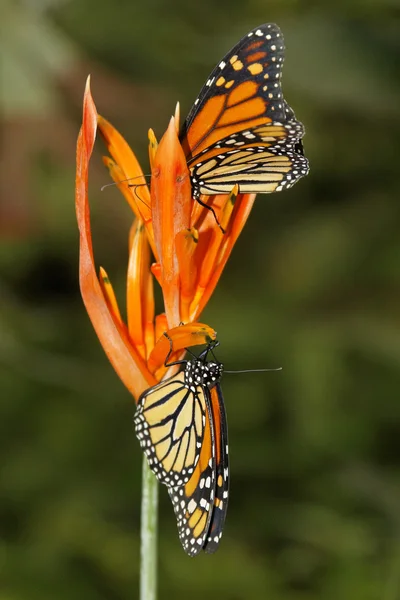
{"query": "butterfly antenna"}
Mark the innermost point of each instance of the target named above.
(255, 370)
(123, 181)
(134, 185)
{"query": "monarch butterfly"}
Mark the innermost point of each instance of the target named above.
(240, 129)
(181, 426)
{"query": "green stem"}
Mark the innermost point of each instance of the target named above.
(148, 535)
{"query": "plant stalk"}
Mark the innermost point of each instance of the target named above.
(148, 535)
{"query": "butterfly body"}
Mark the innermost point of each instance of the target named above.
(181, 427)
(240, 129)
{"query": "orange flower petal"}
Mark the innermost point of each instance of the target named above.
(130, 193)
(140, 297)
(227, 209)
(109, 295)
(152, 147)
(212, 243)
(209, 245)
(127, 173)
(184, 336)
(186, 244)
(161, 325)
(177, 117)
(156, 270)
(197, 213)
(243, 205)
(171, 205)
(203, 217)
(201, 214)
(149, 331)
(125, 359)
(126, 187)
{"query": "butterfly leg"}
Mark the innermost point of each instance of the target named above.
(211, 348)
(197, 198)
(202, 356)
(171, 349)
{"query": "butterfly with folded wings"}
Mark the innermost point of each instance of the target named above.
(182, 429)
(240, 129)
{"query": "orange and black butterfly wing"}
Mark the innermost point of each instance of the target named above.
(242, 92)
(241, 109)
(221, 471)
(256, 169)
(193, 502)
(170, 421)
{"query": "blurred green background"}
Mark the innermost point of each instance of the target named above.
(313, 285)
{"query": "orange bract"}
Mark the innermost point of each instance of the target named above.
(189, 248)
(112, 334)
(137, 350)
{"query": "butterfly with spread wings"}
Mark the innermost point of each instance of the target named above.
(240, 129)
(182, 429)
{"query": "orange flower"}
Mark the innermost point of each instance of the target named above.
(188, 246)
